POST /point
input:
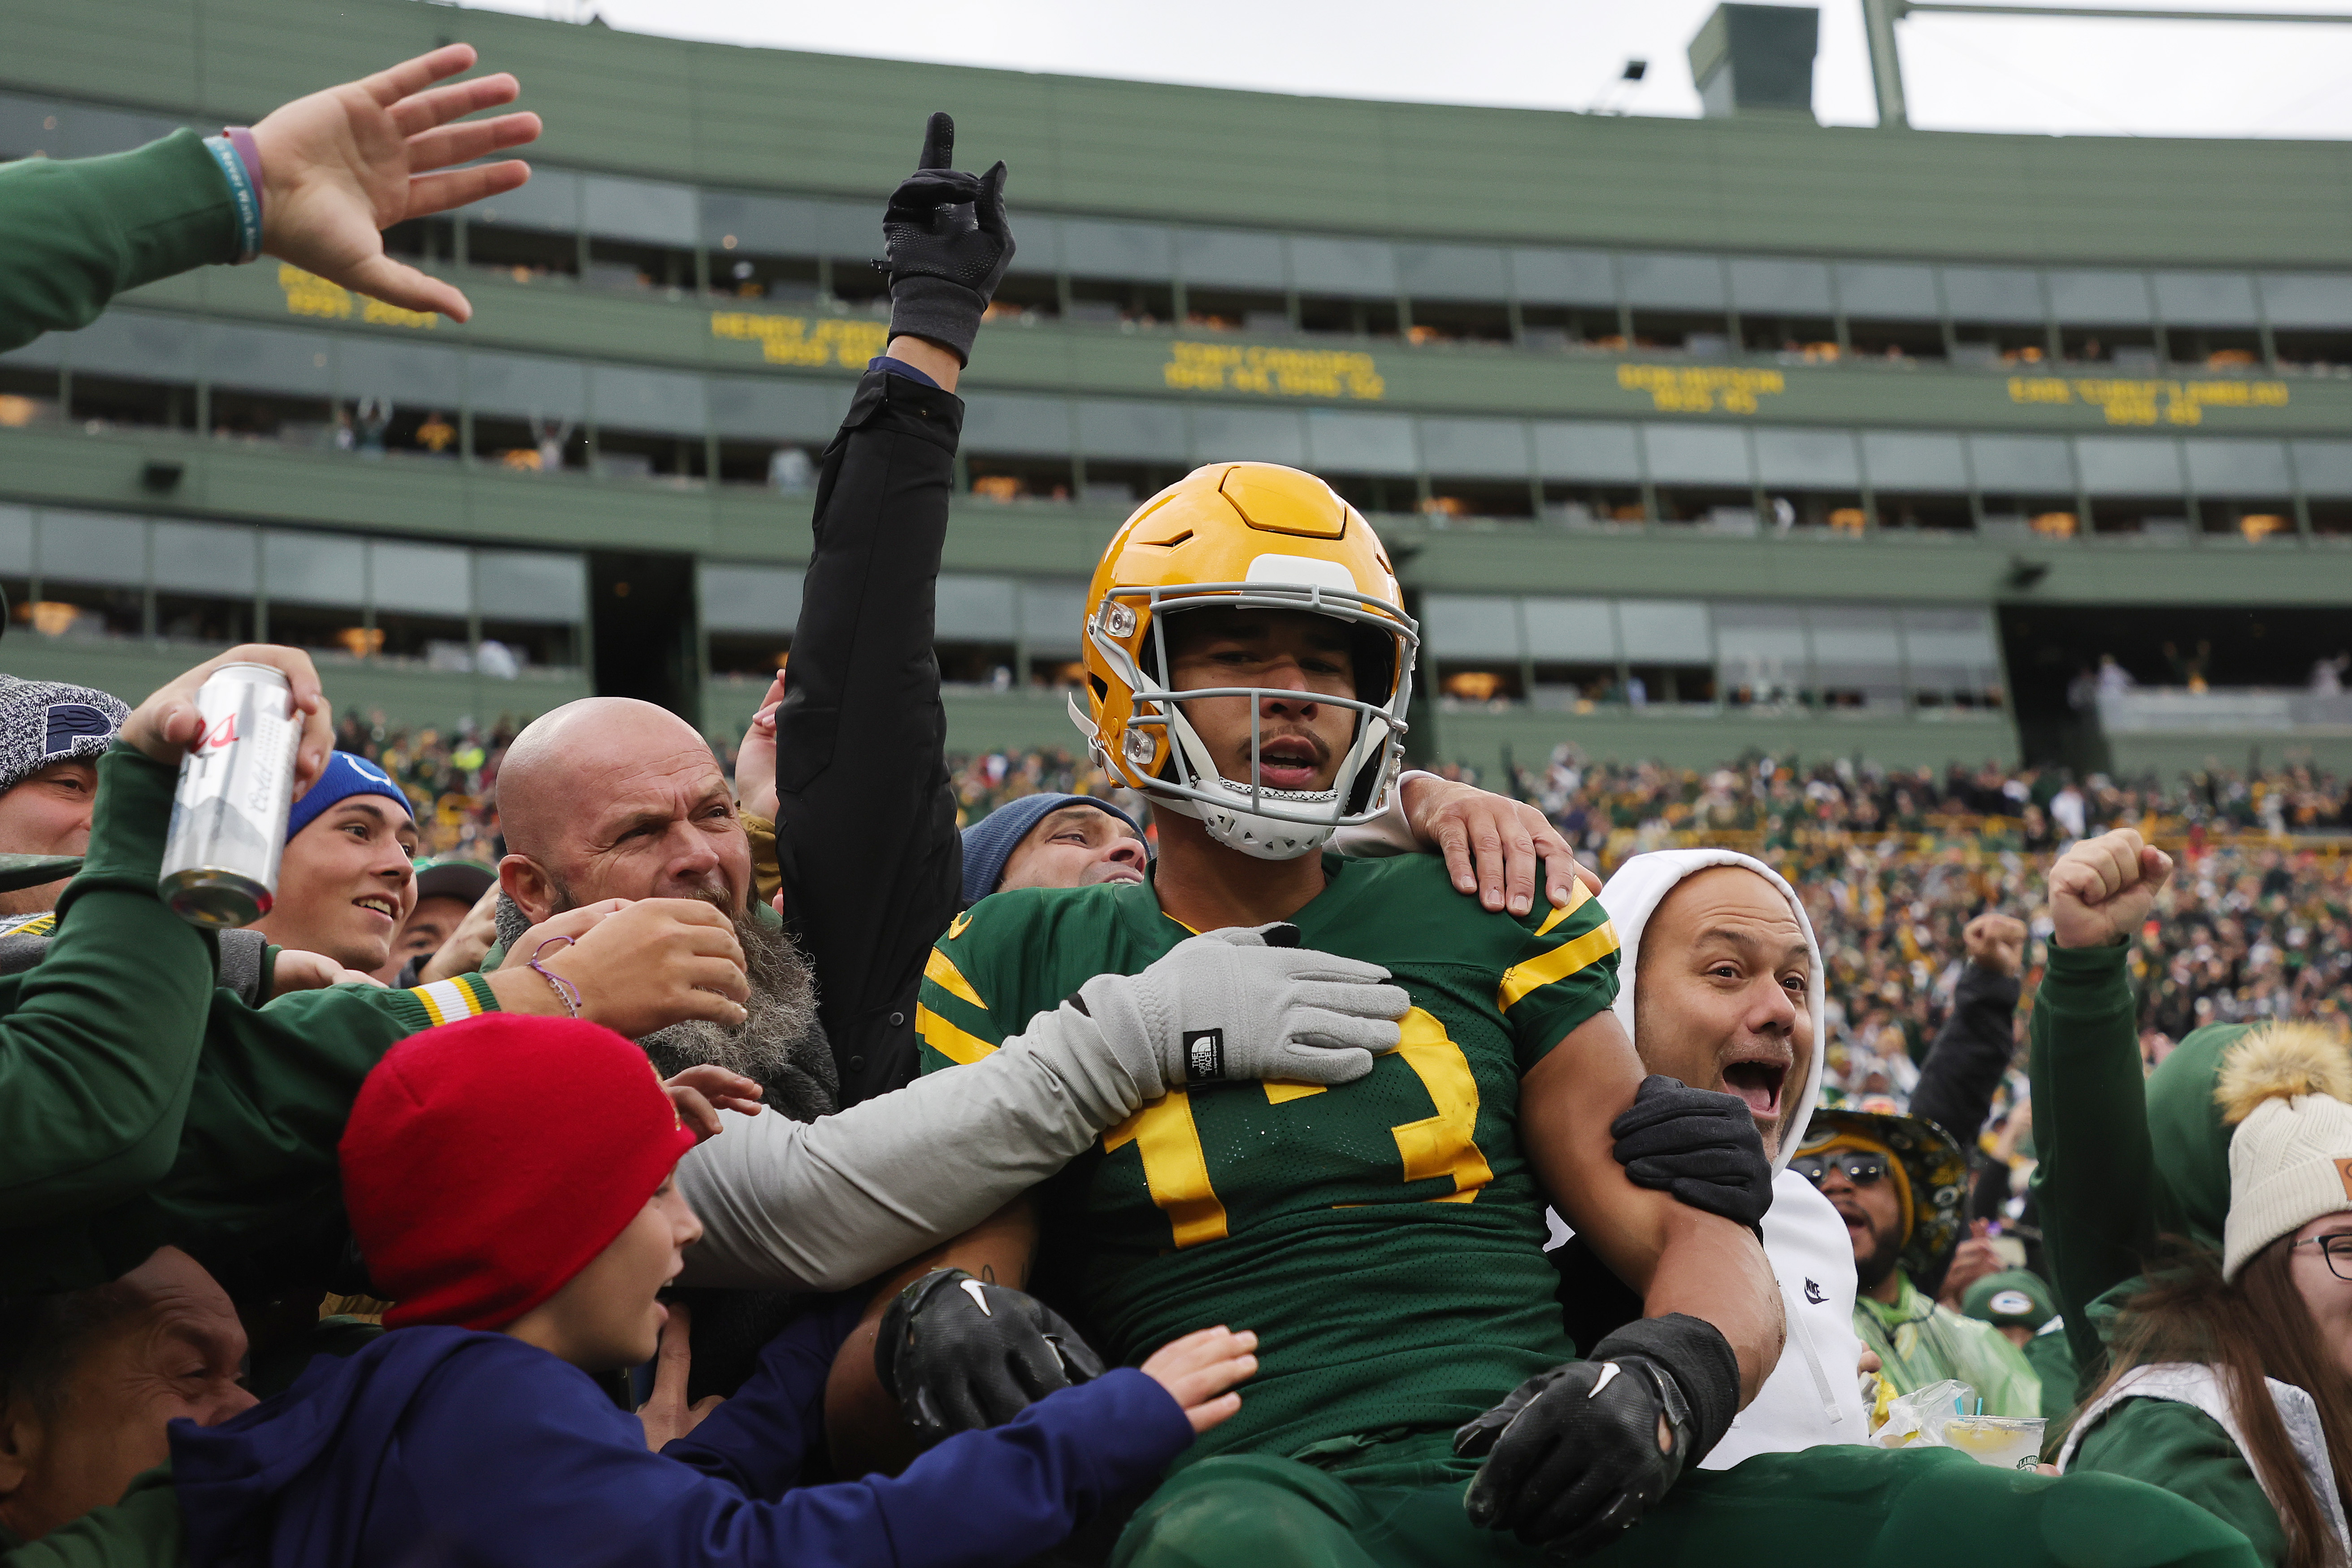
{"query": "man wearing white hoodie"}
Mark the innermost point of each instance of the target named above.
(1719, 982)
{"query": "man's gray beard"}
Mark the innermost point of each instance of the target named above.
(780, 1045)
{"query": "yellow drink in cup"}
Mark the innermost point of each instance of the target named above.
(2004, 1442)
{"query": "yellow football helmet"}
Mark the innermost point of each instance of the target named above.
(1233, 535)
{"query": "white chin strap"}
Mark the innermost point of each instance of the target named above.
(1254, 834)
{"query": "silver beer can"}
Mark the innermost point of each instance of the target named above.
(228, 816)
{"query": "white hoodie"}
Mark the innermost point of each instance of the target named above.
(1814, 1395)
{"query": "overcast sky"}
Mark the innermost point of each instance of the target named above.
(1962, 72)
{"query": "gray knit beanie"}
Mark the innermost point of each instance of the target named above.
(45, 721)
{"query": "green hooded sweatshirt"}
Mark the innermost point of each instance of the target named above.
(2123, 1163)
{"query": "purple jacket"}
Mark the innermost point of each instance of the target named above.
(444, 1446)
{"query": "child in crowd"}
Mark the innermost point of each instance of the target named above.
(509, 1180)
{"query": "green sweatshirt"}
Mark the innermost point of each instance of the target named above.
(99, 1041)
(2103, 1196)
(82, 231)
(143, 1530)
(144, 1105)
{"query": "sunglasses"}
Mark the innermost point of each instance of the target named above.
(1860, 1170)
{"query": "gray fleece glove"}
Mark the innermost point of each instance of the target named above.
(1243, 1004)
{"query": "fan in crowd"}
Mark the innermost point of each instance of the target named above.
(617, 1146)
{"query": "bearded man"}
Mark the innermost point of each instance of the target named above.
(608, 800)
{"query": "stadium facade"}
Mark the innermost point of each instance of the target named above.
(1690, 436)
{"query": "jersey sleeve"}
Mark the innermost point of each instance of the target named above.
(953, 1019)
(1564, 972)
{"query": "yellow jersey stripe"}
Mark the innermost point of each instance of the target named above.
(1579, 896)
(944, 974)
(950, 1042)
(1558, 964)
(1280, 1091)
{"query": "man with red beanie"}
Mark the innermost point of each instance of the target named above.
(508, 1182)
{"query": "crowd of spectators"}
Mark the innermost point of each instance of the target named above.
(669, 1193)
(1892, 864)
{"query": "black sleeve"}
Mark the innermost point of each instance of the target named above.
(1973, 1049)
(865, 831)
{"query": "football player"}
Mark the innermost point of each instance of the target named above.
(1249, 666)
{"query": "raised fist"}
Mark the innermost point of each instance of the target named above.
(2101, 889)
(1995, 942)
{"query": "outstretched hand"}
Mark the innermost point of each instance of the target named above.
(295, 971)
(1198, 1369)
(340, 166)
(666, 1414)
(2102, 889)
(701, 1092)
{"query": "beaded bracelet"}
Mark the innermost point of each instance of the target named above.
(565, 992)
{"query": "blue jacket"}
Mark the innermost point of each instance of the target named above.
(442, 1445)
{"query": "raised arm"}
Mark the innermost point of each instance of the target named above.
(1973, 1050)
(865, 822)
(334, 169)
(2096, 1171)
(99, 1050)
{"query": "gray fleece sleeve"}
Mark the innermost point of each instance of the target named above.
(1386, 834)
(821, 1206)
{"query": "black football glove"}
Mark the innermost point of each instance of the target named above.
(1574, 1456)
(1701, 1146)
(959, 1354)
(945, 245)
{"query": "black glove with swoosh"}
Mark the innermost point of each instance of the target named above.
(945, 245)
(960, 1353)
(1700, 1146)
(1575, 1456)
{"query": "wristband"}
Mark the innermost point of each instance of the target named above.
(565, 992)
(1694, 1353)
(244, 192)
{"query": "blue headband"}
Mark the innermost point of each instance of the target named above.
(989, 844)
(344, 776)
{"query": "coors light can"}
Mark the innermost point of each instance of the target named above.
(228, 816)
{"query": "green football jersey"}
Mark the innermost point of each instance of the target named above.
(1384, 1238)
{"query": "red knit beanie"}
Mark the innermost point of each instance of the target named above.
(487, 1161)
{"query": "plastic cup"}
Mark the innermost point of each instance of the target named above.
(2004, 1442)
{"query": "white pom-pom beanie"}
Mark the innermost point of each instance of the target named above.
(2290, 1162)
(2286, 1086)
